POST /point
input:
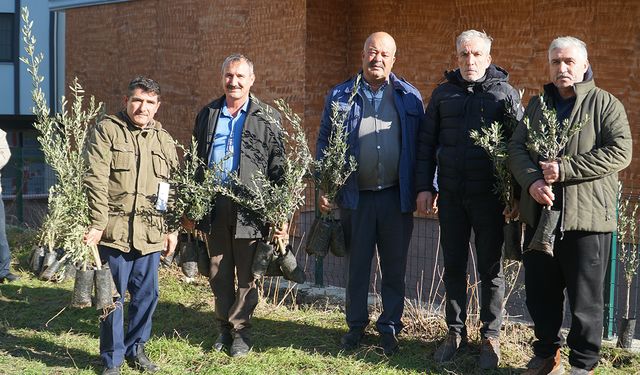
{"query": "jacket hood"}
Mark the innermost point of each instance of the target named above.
(493, 74)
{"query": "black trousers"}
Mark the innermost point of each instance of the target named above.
(458, 215)
(377, 223)
(579, 265)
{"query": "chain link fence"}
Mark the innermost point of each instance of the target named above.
(424, 273)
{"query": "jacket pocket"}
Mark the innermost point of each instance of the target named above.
(115, 229)
(160, 165)
(123, 157)
(155, 230)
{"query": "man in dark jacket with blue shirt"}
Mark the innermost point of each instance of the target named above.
(378, 200)
(232, 132)
(472, 97)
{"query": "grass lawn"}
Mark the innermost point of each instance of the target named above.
(41, 334)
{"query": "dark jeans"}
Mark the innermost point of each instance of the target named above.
(578, 265)
(231, 258)
(377, 223)
(458, 215)
(137, 274)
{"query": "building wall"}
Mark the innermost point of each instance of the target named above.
(182, 45)
(302, 48)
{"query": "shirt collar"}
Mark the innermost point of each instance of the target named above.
(225, 111)
(366, 86)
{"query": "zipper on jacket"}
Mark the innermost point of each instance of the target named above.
(562, 213)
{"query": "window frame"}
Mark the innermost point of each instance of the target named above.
(12, 44)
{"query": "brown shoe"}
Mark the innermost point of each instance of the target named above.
(489, 353)
(451, 344)
(545, 366)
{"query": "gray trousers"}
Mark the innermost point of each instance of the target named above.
(230, 259)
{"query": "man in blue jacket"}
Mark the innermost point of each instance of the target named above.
(471, 97)
(377, 201)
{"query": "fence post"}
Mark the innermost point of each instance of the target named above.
(319, 267)
(609, 292)
(20, 183)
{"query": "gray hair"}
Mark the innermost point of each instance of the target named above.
(469, 35)
(236, 57)
(568, 42)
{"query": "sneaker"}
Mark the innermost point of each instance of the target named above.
(241, 345)
(451, 344)
(545, 366)
(351, 340)
(141, 362)
(389, 343)
(489, 353)
(580, 371)
(9, 278)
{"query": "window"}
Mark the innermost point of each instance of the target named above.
(6, 37)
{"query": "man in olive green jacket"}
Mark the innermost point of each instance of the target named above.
(582, 183)
(129, 157)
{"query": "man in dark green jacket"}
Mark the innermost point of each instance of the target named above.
(129, 156)
(232, 132)
(582, 183)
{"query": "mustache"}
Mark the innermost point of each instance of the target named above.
(561, 76)
(374, 64)
(232, 87)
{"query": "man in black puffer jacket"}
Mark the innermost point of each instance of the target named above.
(472, 97)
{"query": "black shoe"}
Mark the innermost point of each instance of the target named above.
(448, 348)
(489, 353)
(389, 343)
(9, 278)
(351, 340)
(142, 362)
(111, 371)
(241, 345)
(223, 341)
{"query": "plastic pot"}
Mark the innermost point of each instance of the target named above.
(104, 288)
(189, 258)
(204, 262)
(49, 272)
(626, 332)
(82, 289)
(319, 237)
(290, 269)
(512, 241)
(37, 257)
(273, 270)
(48, 260)
(261, 259)
(544, 235)
(337, 245)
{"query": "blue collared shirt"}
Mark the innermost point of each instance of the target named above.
(227, 139)
(373, 97)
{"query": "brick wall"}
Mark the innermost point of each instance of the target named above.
(302, 48)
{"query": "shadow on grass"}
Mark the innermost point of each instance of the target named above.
(31, 307)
